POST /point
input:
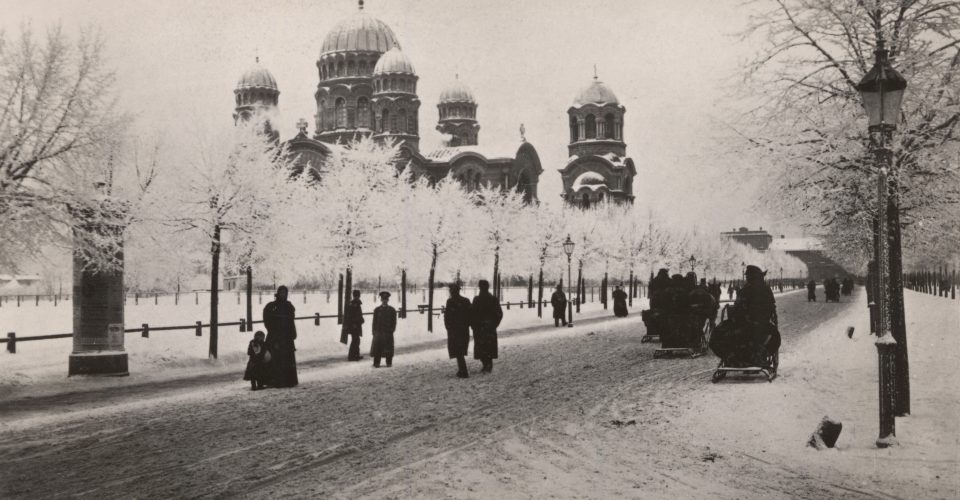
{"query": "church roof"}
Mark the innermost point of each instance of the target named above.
(457, 92)
(589, 180)
(450, 153)
(360, 32)
(394, 61)
(257, 77)
(596, 93)
(614, 160)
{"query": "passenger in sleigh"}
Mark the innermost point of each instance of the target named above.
(755, 312)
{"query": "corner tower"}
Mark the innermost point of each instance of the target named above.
(598, 168)
(395, 105)
(458, 115)
(256, 96)
(348, 56)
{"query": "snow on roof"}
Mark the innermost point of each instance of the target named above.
(447, 153)
(787, 244)
(616, 161)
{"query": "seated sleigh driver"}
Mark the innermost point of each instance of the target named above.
(756, 311)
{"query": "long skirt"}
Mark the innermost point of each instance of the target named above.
(284, 365)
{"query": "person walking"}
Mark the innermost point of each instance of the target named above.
(456, 318)
(812, 291)
(384, 324)
(619, 301)
(559, 302)
(353, 326)
(486, 315)
(278, 318)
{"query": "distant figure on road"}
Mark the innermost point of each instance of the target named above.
(730, 291)
(486, 316)
(353, 326)
(384, 324)
(559, 302)
(456, 318)
(257, 367)
(281, 332)
(619, 302)
(812, 291)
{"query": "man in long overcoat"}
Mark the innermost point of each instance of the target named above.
(486, 315)
(353, 326)
(456, 318)
(619, 302)
(812, 291)
(281, 332)
(384, 324)
(559, 302)
(757, 309)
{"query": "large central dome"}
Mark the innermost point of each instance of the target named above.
(360, 32)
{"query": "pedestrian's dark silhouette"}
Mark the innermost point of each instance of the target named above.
(456, 318)
(278, 318)
(559, 302)
(353, 326)
(812, 291)
(486, 315)
(619, 302)
(257, 368)
(384, 324)
(756, 309)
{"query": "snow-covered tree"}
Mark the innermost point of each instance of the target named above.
(499, 222)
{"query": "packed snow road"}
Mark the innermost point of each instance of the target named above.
(582, 412)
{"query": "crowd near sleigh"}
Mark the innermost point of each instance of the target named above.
(681, 318)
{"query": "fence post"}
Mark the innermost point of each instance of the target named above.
(304, 295)
(146, 331)
(243, 325)
(18, 301)
(196, 298)
(136, 298)
(155, 298)
(38, 300)
(316, 319)
(199, 329)
(12, 342)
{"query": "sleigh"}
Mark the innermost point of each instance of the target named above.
(685, 335)
(743, 352)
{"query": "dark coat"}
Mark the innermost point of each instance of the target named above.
(559, 302)
(257, 367)
(281, 332)
(486, 315)
(756, 303)
(352, 319)
(658, 286)
(456, 318)
(619, 303)
(384, 324)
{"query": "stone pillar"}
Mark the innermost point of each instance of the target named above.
(97, 309)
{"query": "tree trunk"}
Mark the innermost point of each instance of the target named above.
(433, 267)
(214, 289)
(348, 287)
(579, 286)
(540, 294)
(250, 299)
(630, 295)
(604, 290)
(340, 300)
(403, 294)
(530, 292)
(496, 273)
(898, 325)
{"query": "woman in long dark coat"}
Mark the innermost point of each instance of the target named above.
(619, 302)
(281, 332)
(486, 315)
(456, 318)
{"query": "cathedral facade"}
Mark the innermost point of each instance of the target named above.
(368, 88)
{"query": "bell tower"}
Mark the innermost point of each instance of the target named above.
(458, 115)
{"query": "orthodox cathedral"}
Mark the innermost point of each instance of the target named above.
(368, 87)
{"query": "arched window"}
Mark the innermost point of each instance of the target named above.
(351, 68)
(322, 112)
(609, 126)
(393, 124)
(599, 197)
(402, 121)
(385, 121)
(591, 127)
(585, 203)
(412, 124)
(574, 129)
(340, 113)
(362, 67)
(339, 68)
(392, 85)
(363, 113)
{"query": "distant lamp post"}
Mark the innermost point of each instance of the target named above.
(743, 270)
(693, 263)
(882, 91)
(568, 246)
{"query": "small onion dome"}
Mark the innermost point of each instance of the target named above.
(257, 77)
(596, 93)
(457, 92)
(591, 180)
(360, 32)
(394, 61)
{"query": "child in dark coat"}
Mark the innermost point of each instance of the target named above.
(256, 371)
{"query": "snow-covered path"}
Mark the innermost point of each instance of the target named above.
(582, 412)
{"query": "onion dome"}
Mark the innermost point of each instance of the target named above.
(257, 77)
(597, 94)
(592, 180)
(360, 32)
(394, 61)
(457, 92)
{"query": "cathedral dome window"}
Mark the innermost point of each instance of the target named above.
(363, 113)
(340, 112)
(610, 128)
(591, 127)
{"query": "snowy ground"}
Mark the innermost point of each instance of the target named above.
(583, 412)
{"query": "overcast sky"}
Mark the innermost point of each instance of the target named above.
(668, 61)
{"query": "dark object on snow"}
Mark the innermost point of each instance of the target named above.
(486, 315)
(826, 434)
(278, 318)
(849, 332)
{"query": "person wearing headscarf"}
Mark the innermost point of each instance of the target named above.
(619, 301)
(278, 318)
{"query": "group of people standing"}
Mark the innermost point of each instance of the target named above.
(272, 359)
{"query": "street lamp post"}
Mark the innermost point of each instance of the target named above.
(568, 249)
(693, 264)
(882, 90)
